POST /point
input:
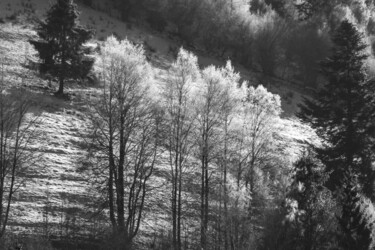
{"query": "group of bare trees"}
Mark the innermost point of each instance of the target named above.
(18, 128)
(204, 118)
(126, 124)
(199, 117)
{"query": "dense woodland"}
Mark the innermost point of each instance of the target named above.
(283, 38)
(229, 181)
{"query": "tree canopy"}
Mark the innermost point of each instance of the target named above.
(60, 44)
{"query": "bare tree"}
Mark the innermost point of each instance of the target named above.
(255, 128)
(125, 128)
(213, 111)
(178, 104)
(17, 130)
(260, 111)
(231, 99)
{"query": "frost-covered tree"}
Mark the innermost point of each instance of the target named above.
(125, 133)
(218, 97)
(208, 111)
(260, 112)
(252, 160)
(232, 98)
(178, 104)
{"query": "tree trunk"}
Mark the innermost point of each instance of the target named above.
(179, 201)
(203, 231)
(111, 199)
(206, 200)
(60, 91)
(226, 246)
(120, 180)
(174, 196)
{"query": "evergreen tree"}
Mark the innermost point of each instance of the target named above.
(313, 223)
(341, 111)
(356, 229)
(342, 115)
(60, 45)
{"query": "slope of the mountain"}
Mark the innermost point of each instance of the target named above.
(57, 196)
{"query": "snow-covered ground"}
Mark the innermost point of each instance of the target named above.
(57, 183)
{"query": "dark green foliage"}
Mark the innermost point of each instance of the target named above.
(313, 221)
(341, 110)
(60, 45)
(356, 233)
(343, 115)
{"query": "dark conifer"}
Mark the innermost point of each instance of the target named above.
(356, 230)
(341, 110)
(60, 45)
(342, 115)
(308, 190)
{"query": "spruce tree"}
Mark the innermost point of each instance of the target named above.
(342, 115)
(356, 229)
(341, 112)
(60, 45)
(313, 200)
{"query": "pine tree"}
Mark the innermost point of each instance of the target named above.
(356, 229)
(342, 115)
(60, 45)
(341, 111)
(313, 201)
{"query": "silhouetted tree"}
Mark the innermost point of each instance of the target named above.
(60, 45)
(356, 228)
(343, 115)
(314, 223)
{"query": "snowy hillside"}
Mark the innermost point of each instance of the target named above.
(57, 190)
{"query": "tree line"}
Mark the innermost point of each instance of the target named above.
(280, 38)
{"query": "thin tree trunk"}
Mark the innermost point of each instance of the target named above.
(120, 180)
(206, 200)
(111, 198)
(175, 194)
(60, 91)
(179, 207)
(203, 233)
(225, 186)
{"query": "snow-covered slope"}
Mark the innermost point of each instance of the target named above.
(58, 190)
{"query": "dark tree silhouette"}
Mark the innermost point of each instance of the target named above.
(342, 114)
(313, 199)
(356, 229)
(60, 45)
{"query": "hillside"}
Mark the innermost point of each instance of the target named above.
(57, 194)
